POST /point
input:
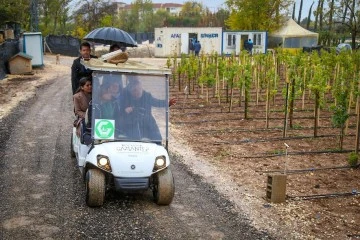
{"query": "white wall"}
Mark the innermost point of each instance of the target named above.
(237, 41)
(33, 46)
(168, 40)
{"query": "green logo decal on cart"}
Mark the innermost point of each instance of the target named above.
(104, 129)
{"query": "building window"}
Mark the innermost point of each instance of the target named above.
(231, 40)
(257, 38)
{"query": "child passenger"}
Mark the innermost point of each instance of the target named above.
(107, 103)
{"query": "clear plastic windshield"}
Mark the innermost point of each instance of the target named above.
(129, 107)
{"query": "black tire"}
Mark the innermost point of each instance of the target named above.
(72, 153)
(164, 187)
(95, 188)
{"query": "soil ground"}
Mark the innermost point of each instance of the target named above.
(234, 153)
(42, 192)
(320, 202)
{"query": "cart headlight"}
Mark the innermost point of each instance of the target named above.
(160, 162)
(103, 162)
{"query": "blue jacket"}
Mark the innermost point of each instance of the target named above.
(197, 47)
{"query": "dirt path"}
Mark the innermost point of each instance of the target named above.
(42, 196)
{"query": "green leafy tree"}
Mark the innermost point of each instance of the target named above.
(318, 86)
(140, 18)
(340, 114)
(107, 20)
(53, 16)
(208, 78)
(257, 14)
(213, 19)
(160, 18)
(90, 14)
(192, 9)
(12, 10)
(308, 20)
(350, 12)
(221, 15)
(123, 21)
(246, 80)
(191, 14)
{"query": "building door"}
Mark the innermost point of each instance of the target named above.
(243, 39)
(192, 38)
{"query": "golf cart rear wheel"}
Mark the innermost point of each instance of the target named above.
(72, 153)
(95, 188)
(164, 187)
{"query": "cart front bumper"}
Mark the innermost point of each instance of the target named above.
(131, 184)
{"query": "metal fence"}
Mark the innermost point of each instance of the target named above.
(64, 45)
(142, 37)
(69, 46)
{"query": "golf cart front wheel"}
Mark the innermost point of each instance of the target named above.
(95, 188)
(164, 187)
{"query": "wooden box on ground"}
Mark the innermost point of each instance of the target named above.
(9, 34)
(276, 188)
(20, 64)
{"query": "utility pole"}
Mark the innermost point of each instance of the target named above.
(34, 16)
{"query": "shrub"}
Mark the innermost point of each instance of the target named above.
(353, 159)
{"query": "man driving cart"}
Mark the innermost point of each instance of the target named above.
(138, 121)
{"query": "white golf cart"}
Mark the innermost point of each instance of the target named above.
(122, 145)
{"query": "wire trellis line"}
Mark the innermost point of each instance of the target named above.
(320, 196)
(295, 171)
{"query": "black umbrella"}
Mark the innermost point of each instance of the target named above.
(110, 35)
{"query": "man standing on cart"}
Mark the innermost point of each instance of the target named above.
(78, 70)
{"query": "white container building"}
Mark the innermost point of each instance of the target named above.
(176, 40)
(233, 41)
(169, 41)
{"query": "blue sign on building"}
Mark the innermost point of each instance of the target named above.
(176, 35)
(209, 35)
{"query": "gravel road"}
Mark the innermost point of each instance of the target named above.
(42, 194)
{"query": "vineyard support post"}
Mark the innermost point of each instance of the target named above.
(292, 100)
(286, 108)
(316, 114)
(357, 127)
(286, 157)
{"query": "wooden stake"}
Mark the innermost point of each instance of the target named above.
(358, 123)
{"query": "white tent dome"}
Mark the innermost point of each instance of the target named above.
(292, 35)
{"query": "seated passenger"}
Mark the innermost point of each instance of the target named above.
(114, 47)
(107, 102)
(136, 108)
(115, 89)
(81, 99)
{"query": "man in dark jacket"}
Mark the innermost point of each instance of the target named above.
(77, 69)
(250, 46)
(197, 47)
(136, 113)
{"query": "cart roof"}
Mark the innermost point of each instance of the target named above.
(129, 66)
